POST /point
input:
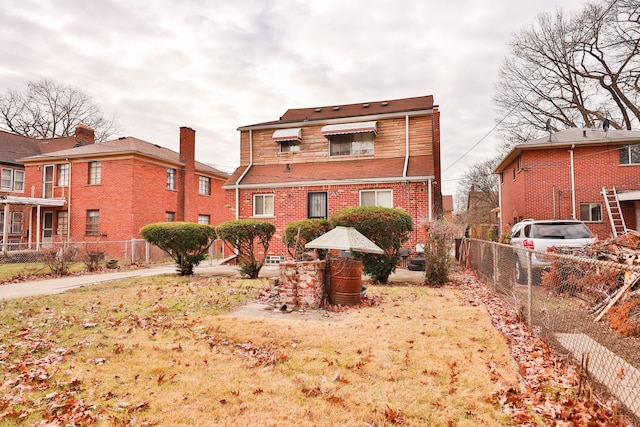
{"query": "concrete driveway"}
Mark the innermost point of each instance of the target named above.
(62, 284)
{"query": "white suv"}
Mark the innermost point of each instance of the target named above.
(539, 236)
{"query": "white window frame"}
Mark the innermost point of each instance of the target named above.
(590, 207)
(261, 200)
(171, 179)
(204, 219)
(376, 192)
(62, 180)
(15, 226)
(48, 181)
(632, 152)
(170, 216)
(12, 180)
(95, 173)
(204, 185)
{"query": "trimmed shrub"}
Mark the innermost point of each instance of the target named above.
(244, 235)
(185, 242)
(298, 233)
(386, 227)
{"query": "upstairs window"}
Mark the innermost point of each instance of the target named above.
(353, 144)
(204, 188)
(630, 154)
(47, 182)
(63, 174)
(289, 139)
(12, 180)
(289, 147)
(171, 179)
(263, 205)
(95, 173)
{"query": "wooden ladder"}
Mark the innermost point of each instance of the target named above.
(616, 219)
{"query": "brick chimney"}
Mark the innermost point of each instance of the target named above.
(188, 148)
(85, 134)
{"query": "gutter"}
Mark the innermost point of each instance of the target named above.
(237, 184)
(332, 182)
(406, 146)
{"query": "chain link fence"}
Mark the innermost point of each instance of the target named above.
(123, 252)
(586, 309)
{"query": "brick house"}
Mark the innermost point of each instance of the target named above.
(17, 198)
(107, 191)
(312, 162)
(562, 176)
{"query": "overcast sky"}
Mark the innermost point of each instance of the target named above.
(216, 65)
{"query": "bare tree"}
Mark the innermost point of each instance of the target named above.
(47, 109)
(572, 71)
(480, 180)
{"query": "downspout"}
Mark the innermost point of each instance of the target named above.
(244, 173)
(406, 146)
(69, 206)
(573, 185)
(430, 202)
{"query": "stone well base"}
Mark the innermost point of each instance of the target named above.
(302, 283)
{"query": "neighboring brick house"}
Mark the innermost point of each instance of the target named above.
(562, 176)
(17, 198)
(313, 162)
(107, 191)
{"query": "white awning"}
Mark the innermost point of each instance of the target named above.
(31, 201)
(349, 128)
(291, 134)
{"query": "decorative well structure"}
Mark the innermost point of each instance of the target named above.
(345, 277)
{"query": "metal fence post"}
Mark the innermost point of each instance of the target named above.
(529, 289)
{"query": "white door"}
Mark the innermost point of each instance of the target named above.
(47, 226)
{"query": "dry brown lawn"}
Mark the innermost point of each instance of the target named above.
(170, 351)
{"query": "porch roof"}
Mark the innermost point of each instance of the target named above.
(31, 201)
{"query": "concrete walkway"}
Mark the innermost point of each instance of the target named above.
(62, 284)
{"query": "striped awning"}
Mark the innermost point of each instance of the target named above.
(349, 128)
(291, 134)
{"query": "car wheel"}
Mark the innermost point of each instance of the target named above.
(521, 273)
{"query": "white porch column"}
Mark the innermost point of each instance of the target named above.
(38, 227)
(5, 229)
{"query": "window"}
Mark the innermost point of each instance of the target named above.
(12, 180)
(171, 179)
(351, 144)
(263, 205)
(317, 205)
(63, 223)
(591, 212)
(47, 182)
(383, 198)
(520, 163)
(63, 174)
(629, 154)
(15, 226)
(204, 188)
(204, 219)
(93, 223)
(95, 173)
(289, 147)
(170, 216)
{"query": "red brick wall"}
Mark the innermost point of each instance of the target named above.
(542, 190)
(290, 204)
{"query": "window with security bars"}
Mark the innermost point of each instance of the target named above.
(317, 204)
(93, 223)
(63, 223)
